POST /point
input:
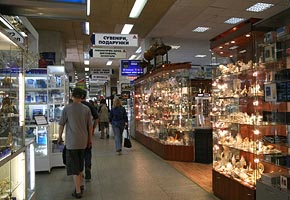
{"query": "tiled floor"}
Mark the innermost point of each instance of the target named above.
(137, 174)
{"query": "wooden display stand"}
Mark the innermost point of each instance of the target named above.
(228, 189)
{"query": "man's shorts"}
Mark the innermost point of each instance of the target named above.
(74, 161)
(104, 125)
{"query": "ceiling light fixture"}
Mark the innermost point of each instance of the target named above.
(175, 46)
(139, 50)
(259, 7)
(87, 69)
(88, 7)
(200, 29)
(86, 62)
(137, 8)
(87, 28)
(233, 47)
(132, 57)
(248, 35)
(127, 28)
(6, 23)
(234, 20)
(200, 56)
(110, 62)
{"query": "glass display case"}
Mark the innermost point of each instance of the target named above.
(249, 120)
(273, 53)
(36, 104)
(57, 99)
(46, 95)
(12, 143)
(163, 118)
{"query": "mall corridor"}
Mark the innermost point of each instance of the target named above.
(137, 174)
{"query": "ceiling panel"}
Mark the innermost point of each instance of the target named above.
(169, 20)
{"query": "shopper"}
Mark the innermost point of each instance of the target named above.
(118, 118)
(103, 113)
(88, 151)
(76, 118)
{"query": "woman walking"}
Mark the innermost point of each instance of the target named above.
(118, 118)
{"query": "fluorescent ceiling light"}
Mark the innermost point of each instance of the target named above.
(6, 23)
(200, 56)
(139, 50)
(86, 62)
(87, 69)
(233, 47)
(259, 7)
(87, 77)
(175, 47)
(86, 56)
(243, 51)
(127, 28)
(132, 57)
(4, 37)
(88, 7)
(137, 8)
(110, 62)
(87, 28)
(234, 20)
(200, 29)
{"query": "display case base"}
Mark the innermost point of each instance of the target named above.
(228, 189)
(167, 152)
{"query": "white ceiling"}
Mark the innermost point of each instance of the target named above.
(170, 21)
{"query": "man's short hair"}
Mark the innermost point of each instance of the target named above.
(78, 93)
(84, 94)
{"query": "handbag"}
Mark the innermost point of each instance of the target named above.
(127, 141)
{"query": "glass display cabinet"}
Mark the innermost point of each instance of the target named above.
(12, 144)
(57, 92)
(250, 109)
(163, 117)
(36, 104)
(273, 53)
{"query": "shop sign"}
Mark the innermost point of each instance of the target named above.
(108, 53)
(16, 35)
(100, 77)
(114, 40)
(103, 71)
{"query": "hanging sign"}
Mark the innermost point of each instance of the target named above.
(107, 53)
(100, 77)
(102, 71)
(114, 40)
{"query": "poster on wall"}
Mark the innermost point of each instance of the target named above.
(46, 58)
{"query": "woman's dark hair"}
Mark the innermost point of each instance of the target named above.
(103, 101)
